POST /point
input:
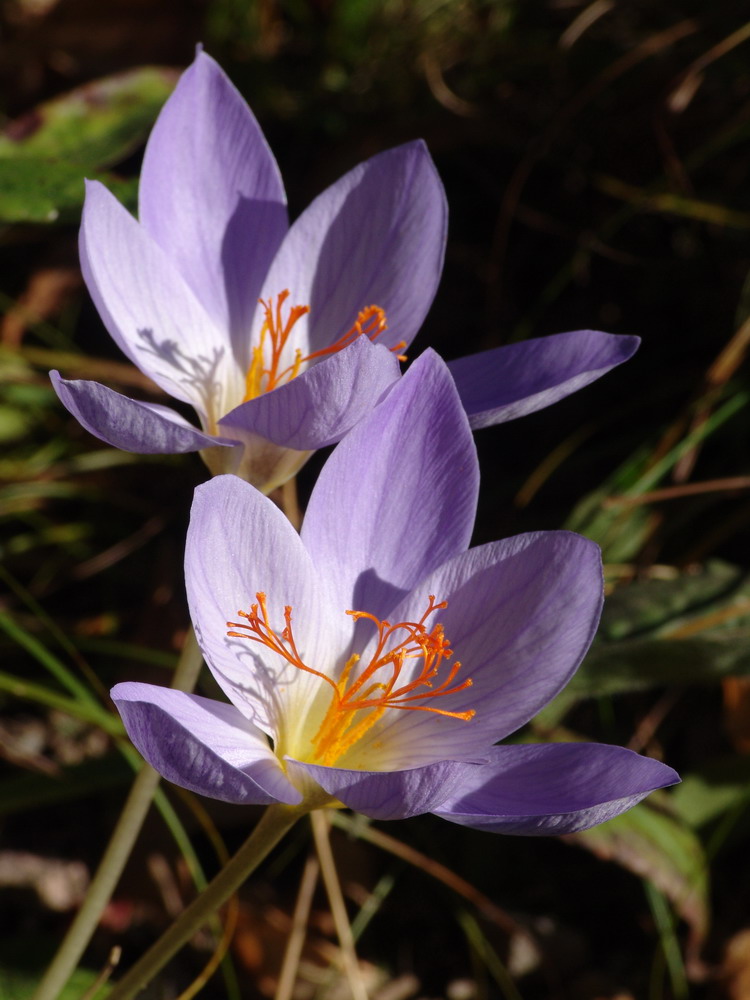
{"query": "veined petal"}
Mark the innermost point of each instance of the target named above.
(145, 428)
(211, 196)
(149, 310)
(203, 745)
(553, 788)
(388, 794)
(398, 495)
(511, 381)
(323, 403)
(521, 614)
(375, 237)
(239, 544)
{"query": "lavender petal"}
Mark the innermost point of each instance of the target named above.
(202, 745)
(553, 788)
(511, 381)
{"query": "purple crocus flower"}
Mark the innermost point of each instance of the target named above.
(280, 338)
(374, 659)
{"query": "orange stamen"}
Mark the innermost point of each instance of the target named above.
(374, 689)
(264, 372)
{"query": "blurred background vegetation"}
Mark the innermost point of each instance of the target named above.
(596, 158)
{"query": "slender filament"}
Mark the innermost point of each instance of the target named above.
(266, 372)
(360, 696)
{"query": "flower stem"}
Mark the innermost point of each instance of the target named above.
(274, 823)
(118, 850)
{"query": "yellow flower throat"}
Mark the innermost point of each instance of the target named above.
(358, 701)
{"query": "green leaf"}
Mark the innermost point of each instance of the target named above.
(655, 845)
(46, 191)
(92, 126)
(45, 155)
(19, 977)
(14, 424)
(647, 605)
(641, 664)
(693, 629)
(718, 787)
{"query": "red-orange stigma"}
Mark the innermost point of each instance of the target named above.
(264, 372)
(340, 730)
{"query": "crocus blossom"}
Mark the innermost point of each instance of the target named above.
(374, 660)
(280, 338)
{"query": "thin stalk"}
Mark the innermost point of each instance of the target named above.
(492, 961)
(321, 828)
(274, 823)
(296, 939)
(102, 886)
(372, 904)
(225, 934)
(357, 827)
(118, 850)
(654, 473)
(47, 659)
(57, 633)
(220, 951)
(670, 946)
(42, 695)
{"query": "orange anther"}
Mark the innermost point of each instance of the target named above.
(265, 373)
(374, 688)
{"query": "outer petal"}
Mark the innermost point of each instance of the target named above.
(145, 428)
(323, 403)
(203, 745)
(376, 236)
(398, 495)
(239, 544)
(211, 196)
(389, 794)
(511, 381)
(553, 788)
(521, 614)
(149, 310)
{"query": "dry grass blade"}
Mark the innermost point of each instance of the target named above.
(112, 962)
(671, 204)
(222, 947)
(652, 46)
(682, 94)
(296, 938)
(436, 870)
(321, 829)
(79, 366)
(440, 90)
(118, 551)
(581, 24)
(729, 485)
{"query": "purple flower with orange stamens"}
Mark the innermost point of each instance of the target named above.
(374, 660)
(280, 338)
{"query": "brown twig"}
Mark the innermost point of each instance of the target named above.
(728, 485)
(650, 47)
(438, 871)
